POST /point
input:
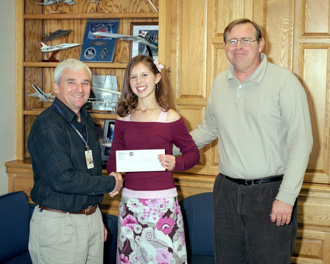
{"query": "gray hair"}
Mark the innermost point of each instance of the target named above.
(72, 64)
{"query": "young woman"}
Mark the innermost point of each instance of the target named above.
(150, 224)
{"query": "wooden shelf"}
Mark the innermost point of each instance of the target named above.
(95, 115)
(33, 112)
(90, 64)
(103, 115)
(91, 16)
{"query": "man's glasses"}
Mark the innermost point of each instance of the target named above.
(244, 42)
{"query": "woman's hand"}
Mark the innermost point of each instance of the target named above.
(167, 161)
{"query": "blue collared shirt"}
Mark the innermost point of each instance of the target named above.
(62, 180)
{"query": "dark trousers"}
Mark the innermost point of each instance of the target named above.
(243, 231)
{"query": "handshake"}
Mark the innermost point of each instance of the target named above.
(119, 183)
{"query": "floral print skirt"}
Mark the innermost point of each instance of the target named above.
(150, 231)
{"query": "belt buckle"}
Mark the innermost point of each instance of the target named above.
(248, 182)
(89, 210)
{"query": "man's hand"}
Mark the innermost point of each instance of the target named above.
(281, 213)
(167, 161)
(119, 183)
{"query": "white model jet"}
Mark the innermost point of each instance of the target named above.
(140, 38)
(63, 46)
(51, 2)
(69, 2)
(43, 97)
(57, 2)
(46, 98)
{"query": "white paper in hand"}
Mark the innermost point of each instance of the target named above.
(139, 160)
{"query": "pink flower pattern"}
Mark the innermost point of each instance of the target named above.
(130, 221)
(163, 256)
(123, 259)
(165, 225)
(156, 232)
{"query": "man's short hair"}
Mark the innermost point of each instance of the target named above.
(72, 64)
(238, 22)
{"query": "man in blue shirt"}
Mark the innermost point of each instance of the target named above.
(66, 226)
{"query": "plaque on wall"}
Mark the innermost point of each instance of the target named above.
(96, 49)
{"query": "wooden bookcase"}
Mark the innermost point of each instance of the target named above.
(33, 20)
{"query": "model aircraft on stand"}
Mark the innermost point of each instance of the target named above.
(43, 97)
(141, 38)
(56, 34)
(48, 97)
(56, 48)
(51, 2)
(57, 2)
(63, 46)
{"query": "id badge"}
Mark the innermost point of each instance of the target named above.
(89, 159)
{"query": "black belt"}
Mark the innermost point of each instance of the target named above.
(256, 181)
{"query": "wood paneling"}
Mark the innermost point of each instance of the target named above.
(314, 76)
(311, 60)
(315, 16)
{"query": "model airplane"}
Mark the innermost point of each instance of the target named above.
(57, 2)
(95, 1)
(46, 98)
(43, 97)
(56, 48)
(51, 2)
(63, 46)
(153, 6)
(140, 38)
(69, 2)
(56, 34)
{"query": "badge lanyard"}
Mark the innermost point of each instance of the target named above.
(88, 152)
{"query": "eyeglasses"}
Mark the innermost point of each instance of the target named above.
(244, 42)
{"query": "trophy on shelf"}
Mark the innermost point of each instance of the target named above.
(105, 92)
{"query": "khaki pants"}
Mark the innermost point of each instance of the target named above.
(66, 238)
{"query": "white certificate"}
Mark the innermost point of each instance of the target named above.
(139, 160)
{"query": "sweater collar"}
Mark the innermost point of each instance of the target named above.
(256, 76)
